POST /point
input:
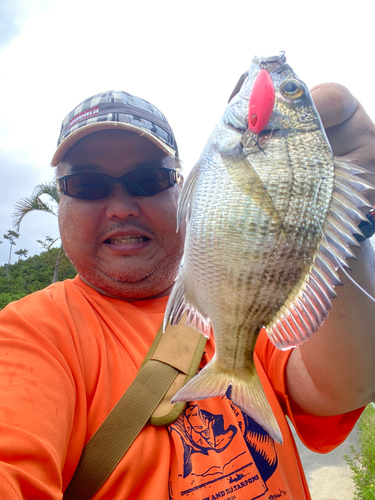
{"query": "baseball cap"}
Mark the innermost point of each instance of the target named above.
(118, 110)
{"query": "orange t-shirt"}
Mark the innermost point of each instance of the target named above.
(68, 353)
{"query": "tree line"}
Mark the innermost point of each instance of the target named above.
(32, 274)
(37, 272)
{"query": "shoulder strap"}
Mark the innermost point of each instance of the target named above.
(181, 347)
(173, 355)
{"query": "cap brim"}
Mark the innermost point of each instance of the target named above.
(78, 134)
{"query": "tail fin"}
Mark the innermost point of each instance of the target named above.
(247, 394)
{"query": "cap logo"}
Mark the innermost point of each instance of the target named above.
(85, 114)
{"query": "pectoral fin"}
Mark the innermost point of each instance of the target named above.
(246, 178)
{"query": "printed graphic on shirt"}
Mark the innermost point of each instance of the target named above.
(220, 456)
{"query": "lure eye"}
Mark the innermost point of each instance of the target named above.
(292, 89)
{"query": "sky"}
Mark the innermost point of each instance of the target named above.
(184, 57)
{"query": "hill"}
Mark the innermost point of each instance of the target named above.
(32, 274)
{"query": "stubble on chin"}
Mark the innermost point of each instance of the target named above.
(134, 285)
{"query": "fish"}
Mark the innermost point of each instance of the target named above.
(271, 216)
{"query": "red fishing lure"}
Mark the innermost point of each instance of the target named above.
(261, 102)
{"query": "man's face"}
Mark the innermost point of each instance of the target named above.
(125, 246)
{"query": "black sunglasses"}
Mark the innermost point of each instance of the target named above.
(141, 182)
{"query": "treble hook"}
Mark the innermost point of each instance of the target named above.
(249, 140)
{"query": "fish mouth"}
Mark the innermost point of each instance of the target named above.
(253, 142)
(277, 60)
(266, 133)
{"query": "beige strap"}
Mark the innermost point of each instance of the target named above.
(115, 436)
(181, 347)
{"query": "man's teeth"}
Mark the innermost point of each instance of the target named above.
(127, 240)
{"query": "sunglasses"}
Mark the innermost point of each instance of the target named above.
(141, 182)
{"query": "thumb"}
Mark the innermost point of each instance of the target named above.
(334, 103)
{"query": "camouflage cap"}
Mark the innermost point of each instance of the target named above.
(118, 110)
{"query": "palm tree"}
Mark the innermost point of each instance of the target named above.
(27, 205)
(22, 252)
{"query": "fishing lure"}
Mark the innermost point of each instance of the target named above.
(261, 101)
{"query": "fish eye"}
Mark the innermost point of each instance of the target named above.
(292, 89)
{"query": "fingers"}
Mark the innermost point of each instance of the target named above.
(355, 138)
(349, 129)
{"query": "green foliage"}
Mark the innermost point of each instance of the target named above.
(362, 461)
(5, 298)
(32, 274)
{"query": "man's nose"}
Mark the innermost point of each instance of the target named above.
(120, 204)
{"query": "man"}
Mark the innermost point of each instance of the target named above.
(69, 352)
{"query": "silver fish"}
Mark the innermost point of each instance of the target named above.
(270, 220)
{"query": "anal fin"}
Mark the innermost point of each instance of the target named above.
(247, 394)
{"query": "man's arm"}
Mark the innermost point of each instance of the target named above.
(334, 372)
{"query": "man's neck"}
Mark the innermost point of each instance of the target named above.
(128, 299)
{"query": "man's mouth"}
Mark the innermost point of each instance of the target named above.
(126, 240)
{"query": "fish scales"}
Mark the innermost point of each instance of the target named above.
(268, 221)
(303, 219)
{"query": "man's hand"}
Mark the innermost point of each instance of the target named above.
(349, 129)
